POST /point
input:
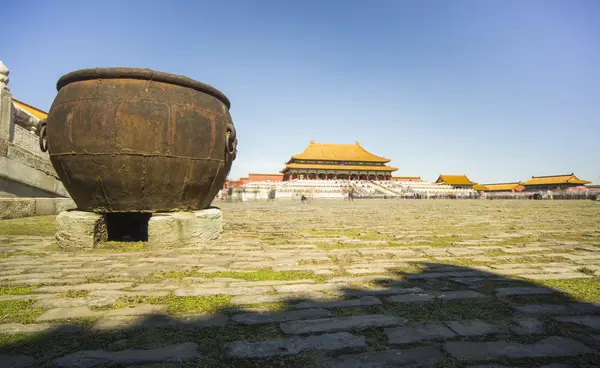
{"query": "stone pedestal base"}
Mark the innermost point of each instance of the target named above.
(80, 230)
(176, 229)
(87, 230)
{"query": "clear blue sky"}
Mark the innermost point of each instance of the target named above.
(499, 90)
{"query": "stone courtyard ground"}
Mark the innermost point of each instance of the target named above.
(369, 283)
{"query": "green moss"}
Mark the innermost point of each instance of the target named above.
(32, 226)
(177, 305)
(587, 290)
(451, 310)
(16, 290)
(586, 271)
(74, 293)
(258, 275)
(18, 311)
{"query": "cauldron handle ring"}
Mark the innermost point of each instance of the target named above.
(230, 140)
(43, 138)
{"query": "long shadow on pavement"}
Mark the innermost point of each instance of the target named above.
(443, 316)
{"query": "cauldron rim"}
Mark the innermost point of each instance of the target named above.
(143, 74)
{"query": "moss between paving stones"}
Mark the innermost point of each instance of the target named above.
(179, 305)
(258, 275)
(18, 311)
(16, 290)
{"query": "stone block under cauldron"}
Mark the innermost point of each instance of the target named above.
(138, 141)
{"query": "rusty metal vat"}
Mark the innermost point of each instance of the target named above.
(138, 140)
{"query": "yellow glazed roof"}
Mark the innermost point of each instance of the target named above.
(555, 179)
(454, 180)
(338, 152)
(339, 167)
(40, 114)
(500, 187)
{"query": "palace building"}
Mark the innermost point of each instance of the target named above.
(499, 187)
(456, 181)
(337, 161)
(553, 182)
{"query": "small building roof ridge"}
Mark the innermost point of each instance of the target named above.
(552, 176)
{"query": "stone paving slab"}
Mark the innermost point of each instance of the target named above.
(528, 326)
(510, 291)
(17, 361)
(202, 291)
(31, 328)
(84, 287)
(172, 353)
(273, 317)
(473, 327)
(588, 321)
(159, 321)
(294, 345)
(274, 298)
(67, 313)
(410, 298)
(419, 357)
(543, 309)
(382, 291)
(409, 335)
(554, 346)
(365, 301)
(340, 324)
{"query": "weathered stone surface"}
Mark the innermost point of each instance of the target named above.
(239, 283)
(420, 357)
(61, 303)
(588, 321)
(37, 327)
(326, 288)
(84, 287)
(460, 295)
(340, 323)
(273, 317)
(361, 302)
(17, 361)
(271, 298)
(410, 298)
(543, 309)
(177, 229)
(439, 275)
(137, 310)
(528, 326)
(408, 335)
(80, 230)
(294, 345)
(383, 291)
(160, 321)
(172, 353)
(66, 313)
(508, 291)
(558, 276)
(199, 290)
(553, 346)
(472, 327)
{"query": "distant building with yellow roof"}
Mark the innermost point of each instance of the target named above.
(499, 187)
(337, 161)
(553, 182)
(457, 181)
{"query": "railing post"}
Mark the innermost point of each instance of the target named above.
(5, 104)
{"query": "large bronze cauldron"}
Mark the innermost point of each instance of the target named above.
(137, 140)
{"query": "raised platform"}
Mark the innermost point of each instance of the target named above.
(87, 230)
(25, 207)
